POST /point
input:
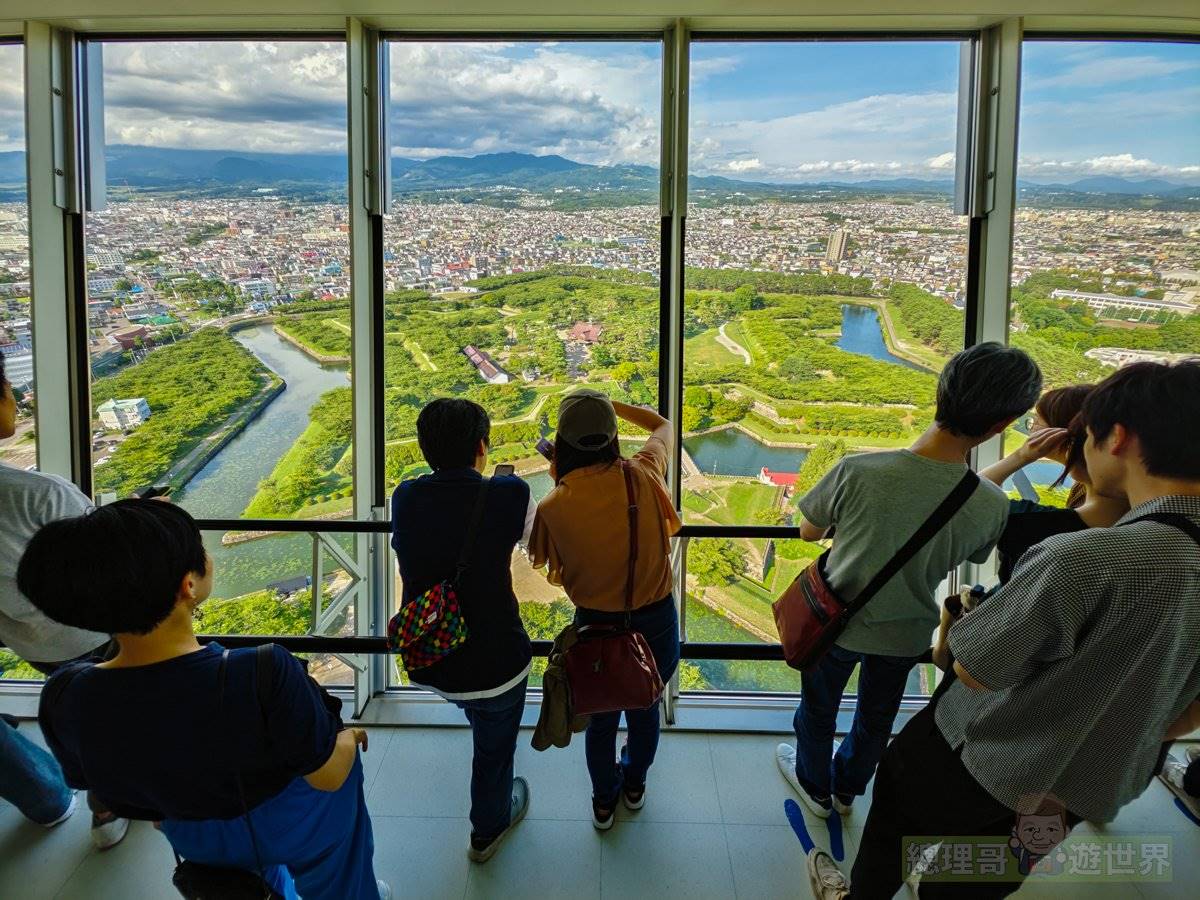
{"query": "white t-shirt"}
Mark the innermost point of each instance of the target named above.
(29, 500)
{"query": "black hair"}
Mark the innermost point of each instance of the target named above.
(2, 378)
(567, 458)
(449, 431)
(116, 569)
(983, 386)
(1160, 403)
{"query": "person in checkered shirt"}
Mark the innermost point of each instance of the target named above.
(1071, 676)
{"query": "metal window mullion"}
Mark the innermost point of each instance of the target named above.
(54, 239)
(366, 80)
(1000, 83)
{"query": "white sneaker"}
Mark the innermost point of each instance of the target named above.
(785, 757)
(385, 889)
(520, 806)
(106, 835)
(1172, 776)
(1192, 753)
(843, 809)
(66, 814)
(827, 880)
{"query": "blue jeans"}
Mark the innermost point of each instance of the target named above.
(30, 778)
(313, 844)
(881, 682)
(659, 624)
(495, 722)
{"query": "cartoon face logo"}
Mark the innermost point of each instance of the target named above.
(1039, 834)
(1036, 833)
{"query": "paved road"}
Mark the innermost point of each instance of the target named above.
(731, 345)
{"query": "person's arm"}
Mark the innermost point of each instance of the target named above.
(1028, 624)
(1041, 443)
(527, 529)
(811, 532)
(333, 774)
(646, 418)
(1186, 723)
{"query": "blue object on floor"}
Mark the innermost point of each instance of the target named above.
(836, 849)
(1183, 808)
(795, 818)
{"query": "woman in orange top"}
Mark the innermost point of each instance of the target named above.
(582, 534)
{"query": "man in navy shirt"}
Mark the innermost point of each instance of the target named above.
(486, 676)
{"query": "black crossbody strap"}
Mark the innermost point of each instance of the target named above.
(237, 774)
(936, 522)
(464, 557)
(1175, 520)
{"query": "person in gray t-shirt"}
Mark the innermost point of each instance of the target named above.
(871, 504)
(29, 776)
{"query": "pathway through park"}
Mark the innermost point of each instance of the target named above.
(731, 345)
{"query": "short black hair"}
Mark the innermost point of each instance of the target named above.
(1158, 402)
(985, 385)
(115, 569)
(567, 458)
(2, 378)
(449, 430)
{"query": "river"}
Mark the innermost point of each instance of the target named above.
(225, 485)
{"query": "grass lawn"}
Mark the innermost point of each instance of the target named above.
(740, 502)
(767, 430)
(926, 356)
(704, 350)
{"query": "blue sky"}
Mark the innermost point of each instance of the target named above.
(778, 111)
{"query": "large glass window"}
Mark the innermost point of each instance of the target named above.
(16, 337)
(825, 279)
(522, 253)
(218, 285)
(1106, 248)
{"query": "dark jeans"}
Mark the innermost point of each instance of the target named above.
(104, 652)
(881, 683)
(495, 722)
(924, 791)
(659, 624)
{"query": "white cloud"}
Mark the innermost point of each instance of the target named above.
(1105, 70)
(881, 135)
(1121, 164)
(743, 165)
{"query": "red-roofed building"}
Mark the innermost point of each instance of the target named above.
(778, 479)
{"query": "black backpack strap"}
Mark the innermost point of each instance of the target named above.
(265, 664)
(1175, 520)
(464, 557)
(936, 522)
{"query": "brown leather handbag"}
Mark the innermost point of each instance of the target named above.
(610, 667)
(810, 616)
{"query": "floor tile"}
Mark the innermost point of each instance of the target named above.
(378, 742)
(36, 861)
(533, 862)
(424, 773)
(749, 784)
(425, 859)
(681, 786)
(768, 861)
(665, 860)
(140, 866)
(559, 785)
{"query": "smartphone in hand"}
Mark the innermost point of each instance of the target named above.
(504, 469)
(546, 448)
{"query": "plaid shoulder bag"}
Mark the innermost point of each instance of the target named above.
(431, 626)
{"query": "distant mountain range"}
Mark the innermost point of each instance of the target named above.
(228, 173)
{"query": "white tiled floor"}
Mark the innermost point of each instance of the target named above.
(713, 827)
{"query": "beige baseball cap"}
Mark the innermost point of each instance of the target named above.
(586, 419)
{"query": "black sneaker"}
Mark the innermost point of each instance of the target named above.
(633, 798)
(603, 816)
